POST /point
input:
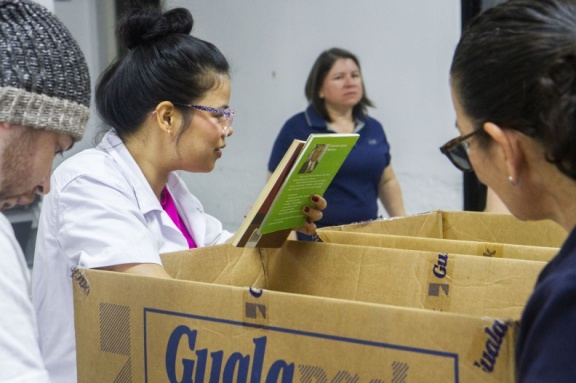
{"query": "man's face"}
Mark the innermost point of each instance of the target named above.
(26, 157)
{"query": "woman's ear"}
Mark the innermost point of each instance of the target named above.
(165, 114)
(508, 141)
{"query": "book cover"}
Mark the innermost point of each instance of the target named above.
(307, 168)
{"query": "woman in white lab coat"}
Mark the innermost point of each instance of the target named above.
(121, 204)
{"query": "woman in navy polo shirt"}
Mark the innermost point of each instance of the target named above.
(513, 80)
(338, 104)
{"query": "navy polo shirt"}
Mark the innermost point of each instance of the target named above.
(352, 196)
(546, 346)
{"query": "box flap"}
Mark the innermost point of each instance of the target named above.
(485, 249)
(422, 279)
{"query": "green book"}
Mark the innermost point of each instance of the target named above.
(307, 168)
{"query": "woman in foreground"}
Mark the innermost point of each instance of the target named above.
(120, 205)
(513, 81)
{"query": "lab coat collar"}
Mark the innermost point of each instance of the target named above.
(145, 196)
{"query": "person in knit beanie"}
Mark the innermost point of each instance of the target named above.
(44, 108)
(44, 96)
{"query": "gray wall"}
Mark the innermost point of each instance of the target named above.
(405, 48)
(49, 4)
(92, 24)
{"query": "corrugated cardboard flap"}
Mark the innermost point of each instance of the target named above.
(221, 264)
(422, 279)
(481, 248)
(427, 225)
(501, 228)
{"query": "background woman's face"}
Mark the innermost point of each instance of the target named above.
(342, 86)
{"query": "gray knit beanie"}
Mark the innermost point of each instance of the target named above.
(44, 79)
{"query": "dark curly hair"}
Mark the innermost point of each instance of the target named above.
(515, 66)
(163, 63)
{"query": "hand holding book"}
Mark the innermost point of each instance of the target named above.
(306, 170)
(312, 214)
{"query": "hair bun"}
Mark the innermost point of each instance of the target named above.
(140, 26)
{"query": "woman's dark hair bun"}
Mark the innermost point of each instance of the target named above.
(142, 25)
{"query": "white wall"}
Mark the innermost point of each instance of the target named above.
(49, 4)
(92, 25)
(405, 49)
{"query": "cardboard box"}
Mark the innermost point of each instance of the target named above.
(466, 226)
(307, 312)
(451, 246)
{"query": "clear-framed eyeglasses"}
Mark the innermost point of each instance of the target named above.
(225, 116)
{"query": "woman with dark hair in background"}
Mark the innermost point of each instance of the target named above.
(513, 81)
(120, 205)
(338, 104)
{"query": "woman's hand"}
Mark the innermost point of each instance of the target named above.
(313, 214)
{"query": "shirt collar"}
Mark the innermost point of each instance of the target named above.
(114, 145)
(315, 120)
(566, 251)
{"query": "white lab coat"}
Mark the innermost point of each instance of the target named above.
(20, 358)
(101, 211)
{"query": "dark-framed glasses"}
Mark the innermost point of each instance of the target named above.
(457, 151)
(223, 115)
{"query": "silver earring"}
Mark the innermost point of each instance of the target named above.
(512, 182)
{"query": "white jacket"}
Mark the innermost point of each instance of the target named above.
(101, 211)
(20, 359)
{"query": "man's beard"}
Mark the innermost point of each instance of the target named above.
(15, 163)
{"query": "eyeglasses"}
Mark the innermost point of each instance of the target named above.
(457, 151)
(223, 114)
